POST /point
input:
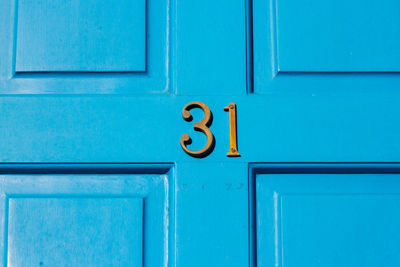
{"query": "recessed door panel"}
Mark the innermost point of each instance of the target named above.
(84, 47)
(327, 219)
(90, 215)
(338, 35)
(312, 46)
(77, 231)
(339, 230)
(80, 36)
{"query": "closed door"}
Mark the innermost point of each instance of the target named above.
(96, 97)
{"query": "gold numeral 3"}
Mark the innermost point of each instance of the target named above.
(201, 126)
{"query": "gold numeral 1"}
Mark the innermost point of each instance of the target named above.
(233, 150)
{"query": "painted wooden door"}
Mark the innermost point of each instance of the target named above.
(92, 170)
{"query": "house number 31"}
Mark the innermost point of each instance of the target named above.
(203, 126)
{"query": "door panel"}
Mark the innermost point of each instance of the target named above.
(336, 35)
(86, 215)
(51, 37)
(90, 47)
(325, 215)
(74, 231)
(313, 46)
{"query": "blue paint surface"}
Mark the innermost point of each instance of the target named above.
(316, 46)
(326, 215)
(89, 47)
(80, 36)
(337, 35)
(53, 231)
(87, 215)
(91, 98)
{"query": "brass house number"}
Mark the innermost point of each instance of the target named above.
(203, 126)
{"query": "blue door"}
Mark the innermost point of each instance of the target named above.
(199, 133)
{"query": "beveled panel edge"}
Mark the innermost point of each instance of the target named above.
(86, 168)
